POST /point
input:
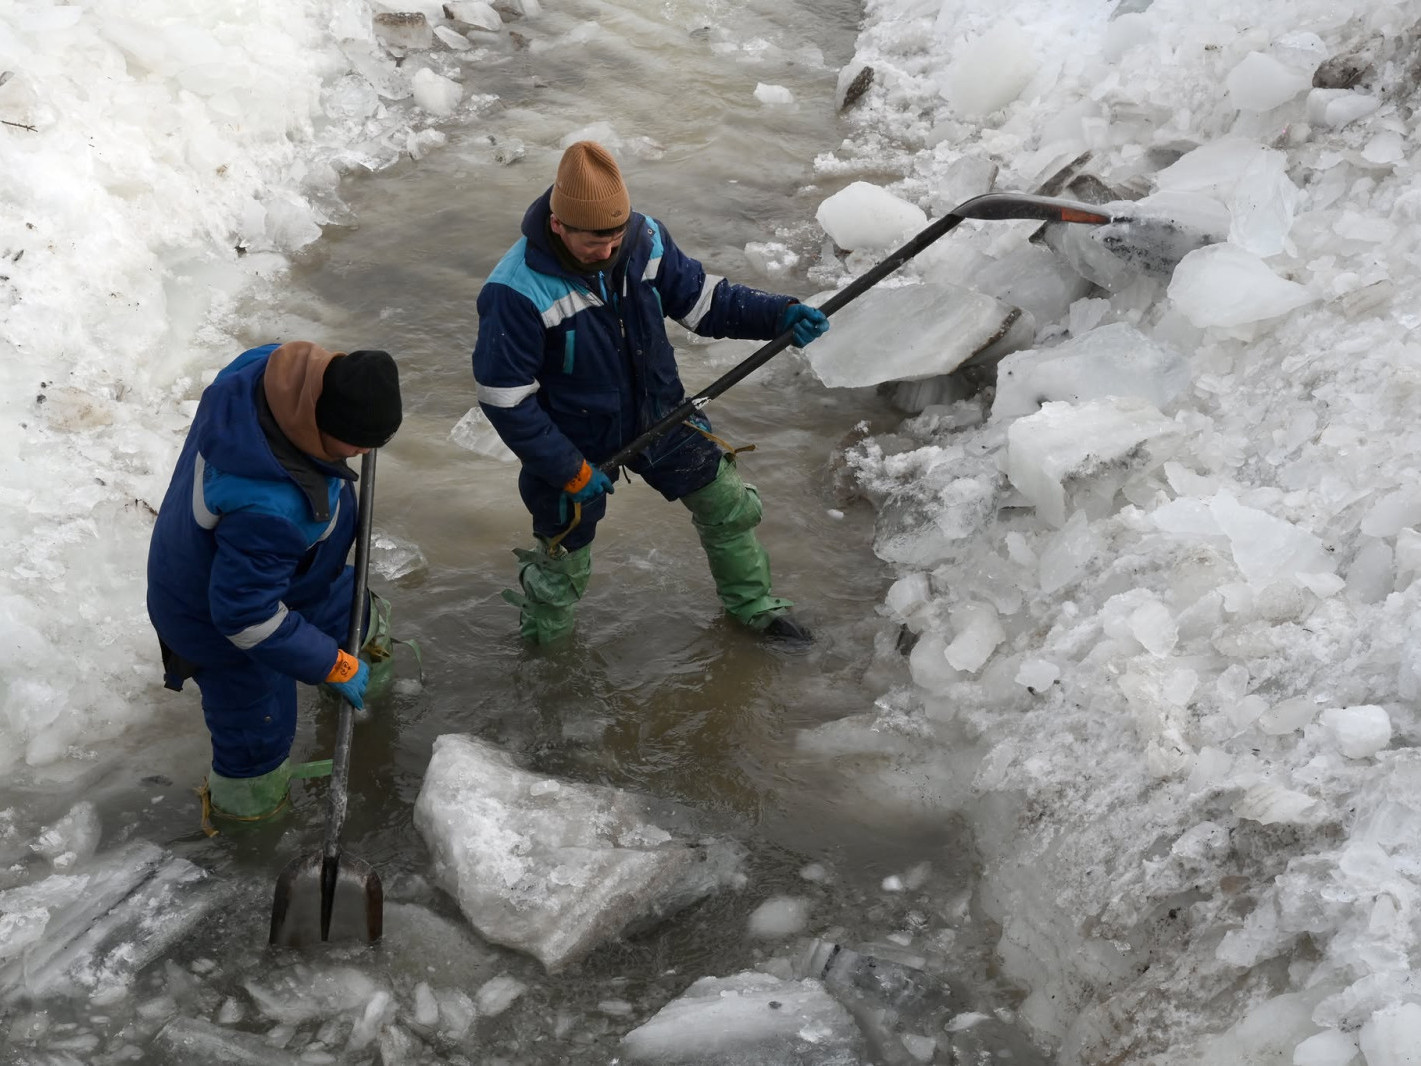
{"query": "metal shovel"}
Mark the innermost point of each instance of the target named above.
(327, 894)
(1149, 242)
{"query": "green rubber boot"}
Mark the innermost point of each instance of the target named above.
(378, 652)
(552, 583)
(255, 799)
(379, 647)
(725, 514)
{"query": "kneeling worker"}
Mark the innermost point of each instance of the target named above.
(248, 586)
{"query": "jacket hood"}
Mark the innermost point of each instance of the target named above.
(535, 220)
(292, 383)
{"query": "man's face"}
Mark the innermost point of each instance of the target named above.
(591, 248)
(339, 449)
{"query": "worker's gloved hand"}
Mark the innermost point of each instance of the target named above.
(588, 484)
(807, 323)
(348, 678)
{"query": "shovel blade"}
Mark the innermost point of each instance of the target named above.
(358, 912)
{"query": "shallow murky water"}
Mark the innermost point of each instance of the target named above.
(656, 692)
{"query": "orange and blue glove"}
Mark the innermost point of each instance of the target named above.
(348, 677)
(588, 484)
(583, 487)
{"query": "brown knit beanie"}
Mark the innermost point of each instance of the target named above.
(589, 192)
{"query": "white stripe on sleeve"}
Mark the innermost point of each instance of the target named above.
(694, 316)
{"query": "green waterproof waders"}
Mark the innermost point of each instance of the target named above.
(253, 799)
(552, 583)
(725, 514)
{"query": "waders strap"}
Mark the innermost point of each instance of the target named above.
(576, 518)
(205, 797)
(725, 446)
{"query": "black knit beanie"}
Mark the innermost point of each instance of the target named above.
(360, 399)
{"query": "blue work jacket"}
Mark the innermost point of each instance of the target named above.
(574, 366)
(245, 539)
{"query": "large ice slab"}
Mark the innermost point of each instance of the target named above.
(913, 332)
(1032, 277)
(1265, 547)
(1223, 285)
(196, 1040)
(1113, 360)
(1085, 451)
(554, 867)
(749, 1018)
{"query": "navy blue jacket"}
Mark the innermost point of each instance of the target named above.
(242, 543)
(574, 366)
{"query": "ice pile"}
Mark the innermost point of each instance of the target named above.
(1159, 600)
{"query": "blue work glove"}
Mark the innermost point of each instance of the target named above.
(807, 323)
(348, 679)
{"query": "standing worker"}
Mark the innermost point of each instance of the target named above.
(248, 585)
(572, 363)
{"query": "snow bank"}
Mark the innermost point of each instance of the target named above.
(118, 251)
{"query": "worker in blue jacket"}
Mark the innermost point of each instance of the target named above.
(572, 362)
(248, 585)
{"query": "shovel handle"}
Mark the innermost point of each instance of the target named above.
(362, 551)
(345, 729)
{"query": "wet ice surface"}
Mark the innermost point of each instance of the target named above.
(90, 931)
